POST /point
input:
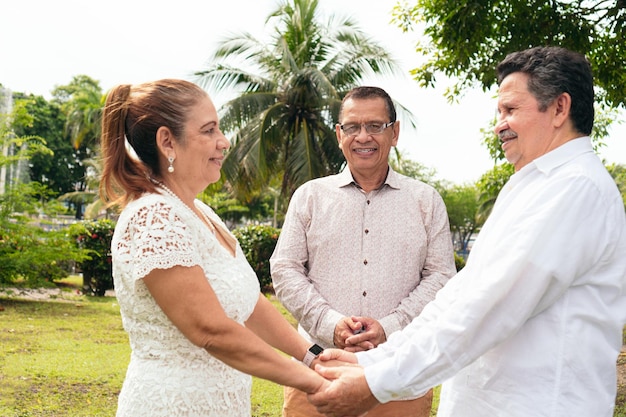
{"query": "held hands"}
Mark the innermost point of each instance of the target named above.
(348, 393)
(358, 333)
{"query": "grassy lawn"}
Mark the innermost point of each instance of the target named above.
(68, 358)
(61, 358)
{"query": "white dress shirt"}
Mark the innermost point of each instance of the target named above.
(532, 326)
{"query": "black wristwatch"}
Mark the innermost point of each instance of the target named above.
(313, 352)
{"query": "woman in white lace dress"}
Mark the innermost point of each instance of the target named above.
(190, 302)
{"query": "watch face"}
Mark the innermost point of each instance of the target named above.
(316, 349)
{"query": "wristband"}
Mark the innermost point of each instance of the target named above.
(313, 352)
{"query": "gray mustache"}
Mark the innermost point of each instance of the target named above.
(507, 134)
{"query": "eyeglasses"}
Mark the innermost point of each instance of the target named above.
(371, 128)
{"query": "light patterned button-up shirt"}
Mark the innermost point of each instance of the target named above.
(342, 252)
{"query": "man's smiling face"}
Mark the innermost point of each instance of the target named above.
(525, 131)
(367, 154)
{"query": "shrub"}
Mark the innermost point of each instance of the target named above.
(459, 261)
(32, 255)
(258, 243)
(95, 237)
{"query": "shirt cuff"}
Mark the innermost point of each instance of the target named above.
(390, 324)
(388, 385)
(327, 333)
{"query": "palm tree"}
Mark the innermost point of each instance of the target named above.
(282, 122)
(81, 101)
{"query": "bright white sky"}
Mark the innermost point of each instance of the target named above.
(45, 43)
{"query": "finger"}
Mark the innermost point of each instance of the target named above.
(367, 345)
(316, 399)
(330, 373)
(353, 349)
(330, 354)
(364, 340)
(357, 327)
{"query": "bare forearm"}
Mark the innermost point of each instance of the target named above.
(269, 324)
(250, 354)
(190, 303)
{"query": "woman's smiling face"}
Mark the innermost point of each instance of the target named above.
(200, 154)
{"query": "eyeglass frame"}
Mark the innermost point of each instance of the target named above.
(365, 125)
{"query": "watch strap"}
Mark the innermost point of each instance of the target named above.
(312, 353)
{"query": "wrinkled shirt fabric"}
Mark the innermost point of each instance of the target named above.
(532, 326)
(343, 252)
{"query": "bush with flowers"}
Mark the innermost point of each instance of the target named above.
(95, 236)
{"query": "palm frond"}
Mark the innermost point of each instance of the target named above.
(289, 93)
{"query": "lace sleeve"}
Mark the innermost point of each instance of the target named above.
(155, 237)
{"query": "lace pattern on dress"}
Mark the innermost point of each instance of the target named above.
(168, 375)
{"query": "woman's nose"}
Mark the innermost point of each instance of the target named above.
(224, 143)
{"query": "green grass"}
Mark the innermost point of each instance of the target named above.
(61, 358)
(68, 357)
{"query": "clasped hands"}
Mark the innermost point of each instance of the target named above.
(347, 393)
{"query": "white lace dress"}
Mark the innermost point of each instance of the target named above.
(167, 374)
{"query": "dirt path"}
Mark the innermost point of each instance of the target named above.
(68, 294)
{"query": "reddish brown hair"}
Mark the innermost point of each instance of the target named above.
(131, 116)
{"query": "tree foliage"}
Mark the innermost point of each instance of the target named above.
(82, 101)
(462, 206)
(27, 251)
(258, 243)
(489, 186)
(17, 147)
(415, 170)
(466, 39)
(94, 237)
(61, 168)
(291, 88)
(618, 172)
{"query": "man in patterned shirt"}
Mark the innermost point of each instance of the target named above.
(363, 251)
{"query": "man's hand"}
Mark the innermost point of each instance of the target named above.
(348, 393)
(345, 328)
(371, 335)
(334, 357)
(358, 333)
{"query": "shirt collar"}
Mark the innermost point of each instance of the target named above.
(563, 154)
(345, 178)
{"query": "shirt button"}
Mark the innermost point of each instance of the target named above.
(364, 293)
(365, 262)
(367, 231)
(368, 201)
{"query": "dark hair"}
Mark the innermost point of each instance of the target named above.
(362, 93)
(552, 71)
(133, 114)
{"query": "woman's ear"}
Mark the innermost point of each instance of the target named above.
(165, 141)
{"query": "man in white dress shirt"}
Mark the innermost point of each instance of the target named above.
(532, 326)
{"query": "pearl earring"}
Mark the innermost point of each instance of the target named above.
(170, 168)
